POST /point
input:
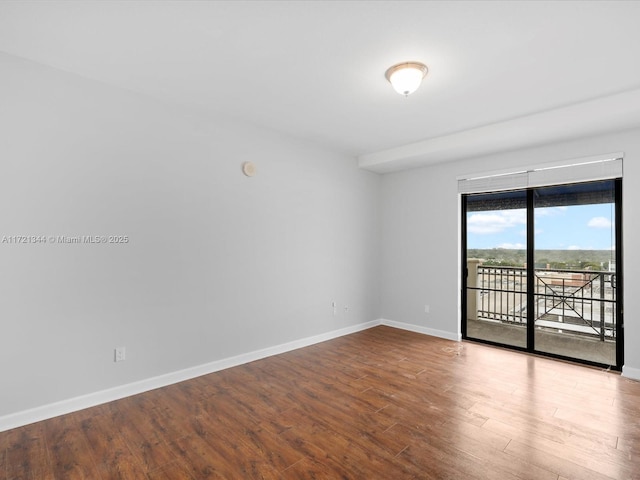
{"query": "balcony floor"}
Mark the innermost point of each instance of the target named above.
(566, 344)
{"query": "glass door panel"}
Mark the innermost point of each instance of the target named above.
(496, 255)
(575, 271)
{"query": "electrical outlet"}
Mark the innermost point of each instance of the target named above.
(119, 354)
(335, 310)
(427, 309)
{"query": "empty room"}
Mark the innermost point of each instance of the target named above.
(319, 240)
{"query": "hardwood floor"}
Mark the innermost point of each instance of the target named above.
(379, 404)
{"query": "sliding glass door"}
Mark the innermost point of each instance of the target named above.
(541, 270)
(496, 226)
(575, 275)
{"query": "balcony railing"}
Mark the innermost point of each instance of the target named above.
(578, 301)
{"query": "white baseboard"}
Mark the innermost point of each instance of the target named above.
(70, 405)
(45, 412)
(456, 337)
(632, 373)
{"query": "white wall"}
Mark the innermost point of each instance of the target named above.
(420, 238)
(217, 264)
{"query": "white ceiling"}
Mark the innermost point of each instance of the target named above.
(315, 70)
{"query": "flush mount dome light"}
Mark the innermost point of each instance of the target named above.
(405, 77)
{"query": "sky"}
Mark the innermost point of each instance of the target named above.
(579, 227)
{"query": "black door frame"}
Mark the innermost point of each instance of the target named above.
(530, 348)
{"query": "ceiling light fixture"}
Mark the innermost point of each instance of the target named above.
(405, 77)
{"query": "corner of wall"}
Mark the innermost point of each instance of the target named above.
(456, 337)
(631, 373)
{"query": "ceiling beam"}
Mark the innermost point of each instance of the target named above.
(601, 115)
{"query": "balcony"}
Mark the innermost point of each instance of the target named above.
(574, 311)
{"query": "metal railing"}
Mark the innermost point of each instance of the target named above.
(578, 301)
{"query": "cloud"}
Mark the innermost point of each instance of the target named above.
(549, 211)
(577, 247)
(512, 246)
(599, 222)
(495, 222)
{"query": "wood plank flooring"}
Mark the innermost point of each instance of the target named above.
(379, 404)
